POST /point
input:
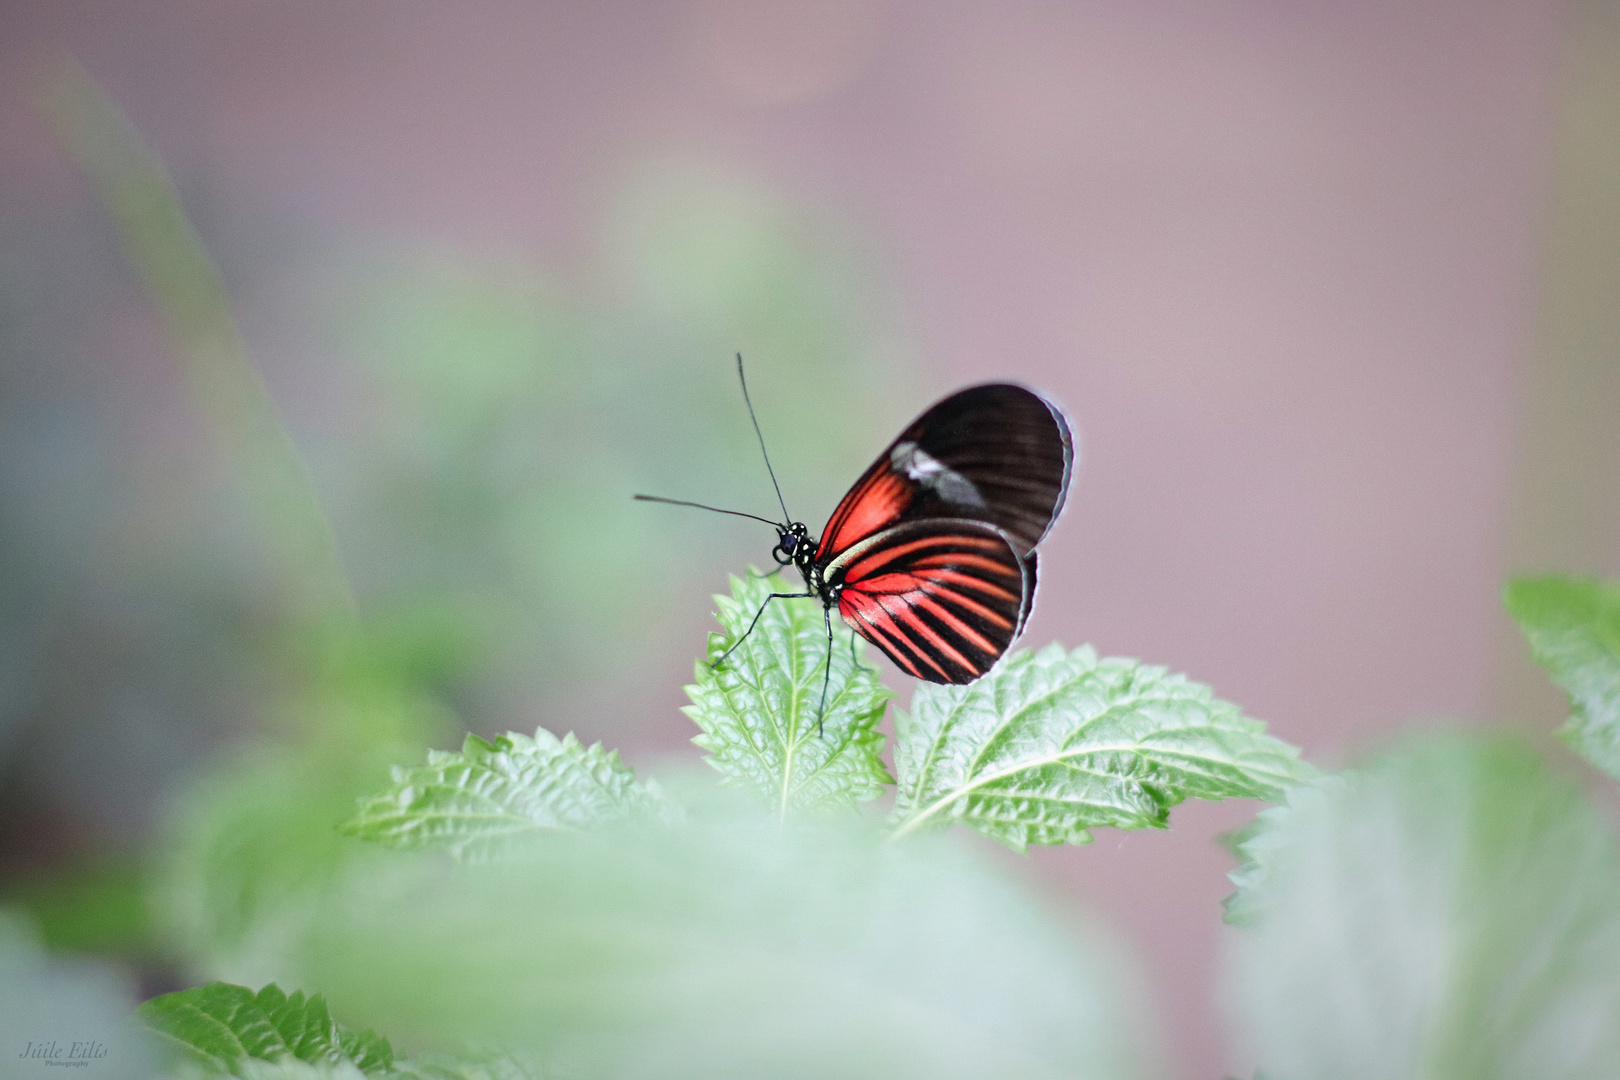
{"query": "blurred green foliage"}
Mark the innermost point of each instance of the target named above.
(1573, 627)
(224, 387)
(728, 946)
(102, 908)
(1447, 910)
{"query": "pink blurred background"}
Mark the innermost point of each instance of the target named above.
(1279, 261)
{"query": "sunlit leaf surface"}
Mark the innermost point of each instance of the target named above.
(760, 711)
(215, 1028)
(476, 802)
(1052, 744)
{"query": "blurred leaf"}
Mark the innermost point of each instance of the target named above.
(1573, 627)
(80, 1006)
(381, 680)
(1260, 845)
(98, 908)
(759, 710)
(282, 1069)
(251, 845)
(1049, 745)
(219, 1025)
(481, 1066)
(419, 640)
(475, 803)
(732, 946)
(1448, 911)
(470, 343)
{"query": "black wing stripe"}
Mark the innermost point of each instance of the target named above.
(953, 623)
(892, 636)
(943, 597)
(937, 644)
(944, 585)
(879, 635)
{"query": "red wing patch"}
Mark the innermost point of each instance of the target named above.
(875, 502)
(943, 598)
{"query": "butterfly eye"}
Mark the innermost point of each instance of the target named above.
(789, 542)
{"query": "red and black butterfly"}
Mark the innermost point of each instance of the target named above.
(931, 555)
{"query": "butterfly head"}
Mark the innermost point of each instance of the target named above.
(793, 544)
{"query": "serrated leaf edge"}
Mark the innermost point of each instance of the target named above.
(1089, 663)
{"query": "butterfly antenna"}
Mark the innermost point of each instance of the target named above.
(700, 506)
(787, 517)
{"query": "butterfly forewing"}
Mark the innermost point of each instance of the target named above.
(942, 597)
(998, 453)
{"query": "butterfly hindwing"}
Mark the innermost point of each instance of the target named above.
(1029, 591)
(942, 597)
(997, 453)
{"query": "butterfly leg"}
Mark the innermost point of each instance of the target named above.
(826, 677)
(757, 614)
(856, 664)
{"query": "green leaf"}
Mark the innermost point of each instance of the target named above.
(249, 847)
(99, 907)
(478, 802)
(480, 1066)
(734, 945)
(1050, 745)
(215, 1028)
(1573, 627)
(1446, 911)
(284, 1069)
(1263, 843)
(758, 711)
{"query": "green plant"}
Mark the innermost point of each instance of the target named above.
(1573, 628)
(1445, 909)
(528, 907)
(730, 928)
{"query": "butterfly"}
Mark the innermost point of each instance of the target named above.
(931, 554)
